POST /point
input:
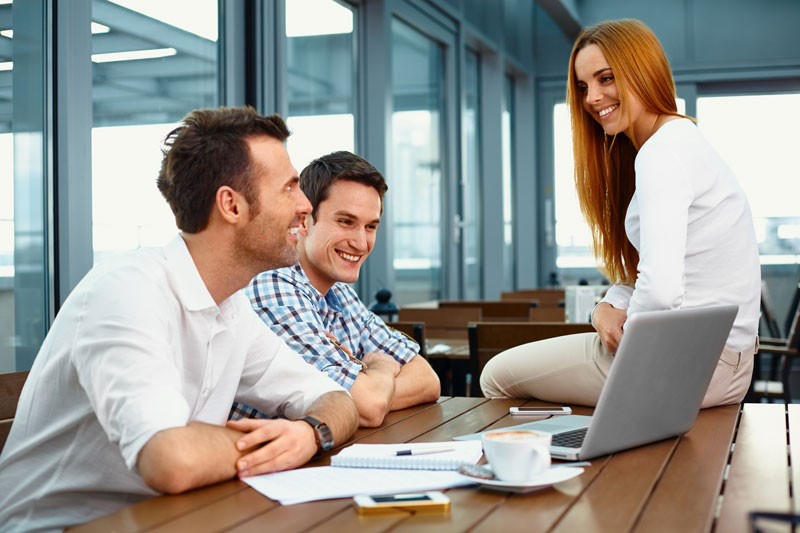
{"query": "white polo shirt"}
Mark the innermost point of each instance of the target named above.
(138, 347)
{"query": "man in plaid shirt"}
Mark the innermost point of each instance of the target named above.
(311, 307)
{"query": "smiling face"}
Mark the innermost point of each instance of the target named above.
(342, 235)
(269, 239)
(600, 96)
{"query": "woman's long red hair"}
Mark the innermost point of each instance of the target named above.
(604, 171)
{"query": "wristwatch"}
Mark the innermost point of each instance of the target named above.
(322, 432)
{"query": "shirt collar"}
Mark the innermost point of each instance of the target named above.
(188, 284)
(331, 298)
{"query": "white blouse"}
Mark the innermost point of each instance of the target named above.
(691, 224)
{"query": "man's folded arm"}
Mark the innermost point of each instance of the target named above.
(374, 388)
(416, 383)
(179, 459)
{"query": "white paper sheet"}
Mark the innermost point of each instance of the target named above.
(326, 482)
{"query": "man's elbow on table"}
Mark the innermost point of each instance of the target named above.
(372, 409)
(433, 388)
(162, 470)
(183, 458)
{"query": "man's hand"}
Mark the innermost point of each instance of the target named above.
(608, 322)
(273, 445)
(382, 361)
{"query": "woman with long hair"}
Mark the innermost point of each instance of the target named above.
(670, 224)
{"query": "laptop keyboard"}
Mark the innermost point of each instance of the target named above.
(570, 439)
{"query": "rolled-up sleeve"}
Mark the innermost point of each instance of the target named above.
(122, 361)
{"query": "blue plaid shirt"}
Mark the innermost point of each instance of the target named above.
(306, 320)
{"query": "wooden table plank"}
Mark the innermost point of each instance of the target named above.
(612, 502)
(235, 509)
(161, 509)
(411, 428)
(472, 421)
(541, 510)
(694, 475)
(292, 518)
(758, 478)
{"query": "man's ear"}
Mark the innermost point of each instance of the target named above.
(229, 204)
(305, 222)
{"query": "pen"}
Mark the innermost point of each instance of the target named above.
(423, 451)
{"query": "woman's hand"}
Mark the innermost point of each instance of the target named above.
(608, 321)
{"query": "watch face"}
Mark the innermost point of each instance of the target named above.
(323, 432)
(325, 437)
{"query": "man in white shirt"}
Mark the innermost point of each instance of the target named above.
(129, 394)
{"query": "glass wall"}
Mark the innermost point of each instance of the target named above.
(24, 195)
(509, 256)
(321, 78)
(771, 180)
(151, 65)
(416, 161)
(471, 182)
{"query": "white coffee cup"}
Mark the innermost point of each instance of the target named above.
(517, 455)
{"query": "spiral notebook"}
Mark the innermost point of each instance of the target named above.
(414, 456)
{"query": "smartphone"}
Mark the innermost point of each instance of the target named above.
(420, 501)
(534, 411)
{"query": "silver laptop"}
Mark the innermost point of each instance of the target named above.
(654, 389)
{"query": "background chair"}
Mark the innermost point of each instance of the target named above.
(786, 350)
(415, 330)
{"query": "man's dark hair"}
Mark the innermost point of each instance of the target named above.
(317, 178)
(210, 150)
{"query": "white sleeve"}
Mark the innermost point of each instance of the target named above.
(618, 296)
(664, 195)
(124, 364)
(277, 380)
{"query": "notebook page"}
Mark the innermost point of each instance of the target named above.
(448, 455)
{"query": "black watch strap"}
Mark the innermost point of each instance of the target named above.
(323, 433)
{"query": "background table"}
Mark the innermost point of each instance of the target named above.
(731, 462)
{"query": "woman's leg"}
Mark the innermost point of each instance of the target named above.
(570, 369)
(731, 378)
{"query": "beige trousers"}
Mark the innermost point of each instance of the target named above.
(572, 370)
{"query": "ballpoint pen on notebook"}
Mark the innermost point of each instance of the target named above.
(423, 451)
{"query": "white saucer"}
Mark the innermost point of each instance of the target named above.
(543, 480)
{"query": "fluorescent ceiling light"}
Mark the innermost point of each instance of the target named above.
(133, 55)
(7, 33)
(5, 2)
(6, 65)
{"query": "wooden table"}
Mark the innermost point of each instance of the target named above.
(679, 484)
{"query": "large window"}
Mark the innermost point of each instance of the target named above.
(152, 63)
(321, 78)
(416, 163)
(757, 137)
(24, 227)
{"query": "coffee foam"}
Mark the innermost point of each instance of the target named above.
(515, 435)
